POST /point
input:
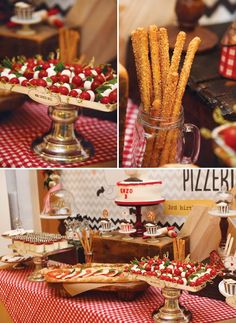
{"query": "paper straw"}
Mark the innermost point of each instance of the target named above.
(227, 243)
(230, 246)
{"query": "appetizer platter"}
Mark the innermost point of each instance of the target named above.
(160, 124)
(18, 261)
(38, 246)
(64, 88)
(172, 277)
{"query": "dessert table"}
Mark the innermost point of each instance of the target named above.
(18, 129)
(33, 302)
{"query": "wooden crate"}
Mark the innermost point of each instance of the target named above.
(115, 250)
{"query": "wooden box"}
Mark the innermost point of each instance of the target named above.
(42, 42)
(115, 250)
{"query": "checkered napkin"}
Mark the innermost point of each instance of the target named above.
(30, 121)
(35, 302)
(131, 116)
(228, 62)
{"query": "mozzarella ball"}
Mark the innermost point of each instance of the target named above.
(106, 92)
(51, 71)
(82, 75)
(36, 74)
(66, 72)
(87, 85)
(92, 95)
(94, 72)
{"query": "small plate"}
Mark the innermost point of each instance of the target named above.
(222, 290)
(127, 232)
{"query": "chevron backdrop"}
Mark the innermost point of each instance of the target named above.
(95, 190)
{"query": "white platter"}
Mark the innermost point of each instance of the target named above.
(127, 232)
(215, 212)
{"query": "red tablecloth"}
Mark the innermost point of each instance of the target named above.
(36, 302)
(31, 121)
(131, 116)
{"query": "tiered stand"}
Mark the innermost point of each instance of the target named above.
(223, 223)
(39, 259)
(171, 311)
(61, 143)
(139, 226)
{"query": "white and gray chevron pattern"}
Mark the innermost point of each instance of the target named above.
(95, 190)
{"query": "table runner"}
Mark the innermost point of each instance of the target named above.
(31, 121)
(35, 302)
(131, 116)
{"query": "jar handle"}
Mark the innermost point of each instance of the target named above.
(193, 156)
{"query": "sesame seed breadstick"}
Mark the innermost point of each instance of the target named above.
(164, 57)
(179, 45)
(155, 61)
(154, 112)
(139, 39)
(172, 136)
(185, 72)
(169, 98)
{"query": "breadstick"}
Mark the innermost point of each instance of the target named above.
(139, 39)
(164, 57)
(150, 141)
(175, 249)
(172, 136)
(62, 43)
(170, 92)
(155, 61)
(185, 72)
(175, 60)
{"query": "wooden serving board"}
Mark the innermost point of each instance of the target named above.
(44, 96)
(124, 291)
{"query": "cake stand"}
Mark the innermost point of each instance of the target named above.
(152, 236)
(21, 264)
(61, 143)
(39, 260)
(171, 311)
(105, 232)
(127, 234)
(26, 30)
(223, 223)
(139, 226)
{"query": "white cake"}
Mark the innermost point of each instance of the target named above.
(223, 207)
(139, 192)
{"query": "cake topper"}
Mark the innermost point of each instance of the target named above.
(105, 213)
(151, 216)
(134, 175)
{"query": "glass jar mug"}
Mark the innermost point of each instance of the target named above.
(159, 141)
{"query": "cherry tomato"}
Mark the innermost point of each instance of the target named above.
(54, 88)
(54, 78)
(77, 80)
(229, 135)
(28, 74)
(25, 83)
(4, 79)
(16, 66)
(98, 69)
(95, 84)
(63, 90)
(45, 65)
(78, 69)
(33, 82)
(180, 281)
(73, 93)
(113, 96)
(99, 78)
(43, 73)
(41, 82)
(85, 96)
(14, 80)
(88, 71)
(109, 76)
(64, 78)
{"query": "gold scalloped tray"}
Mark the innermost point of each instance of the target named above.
(44, 96)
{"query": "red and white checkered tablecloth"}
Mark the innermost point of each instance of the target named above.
(35, 302)
(131, 116)
(23, 125)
